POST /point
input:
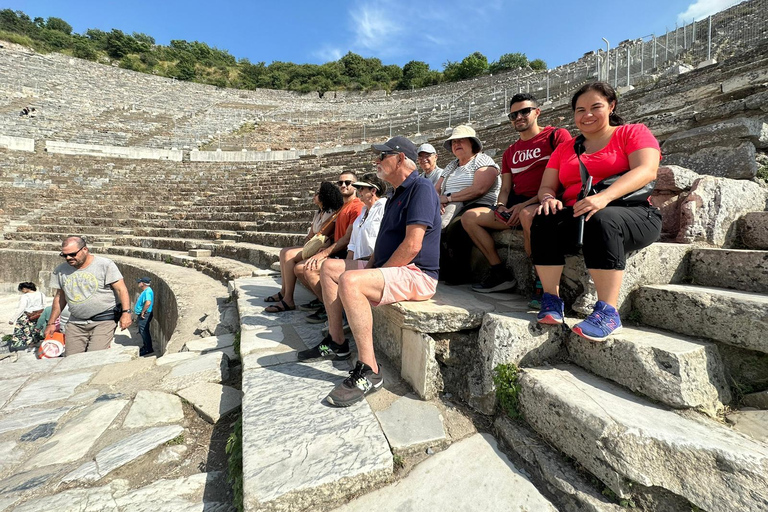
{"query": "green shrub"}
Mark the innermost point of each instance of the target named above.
(507, 388)
(234, 449)
(236, 343)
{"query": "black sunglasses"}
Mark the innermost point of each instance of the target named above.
(344, 182)
(385, 154)
(70, 254)
(523, 112)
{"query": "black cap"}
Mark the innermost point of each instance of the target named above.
(144, 280)
(399, 144)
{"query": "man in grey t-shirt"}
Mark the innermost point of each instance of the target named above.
(88, 284)
(428, 163)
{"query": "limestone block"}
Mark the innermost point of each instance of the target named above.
(743, 270)
(753, 230)
(200, 253)
(9, 387)
(213, 367)
(574, 491)
(412, 425)
(712, 207)
(744, 81)
(153, 408)
(618, 437)
(77, 436)
(31, 418)
(757, 400)
(24, 366)
(751, 423)
(418, 364)
(675, 179)
(675, 370)
(179, 494)
(509, 338)
(123, 452)
(212, 401)
(114, 373)
(472, 474)
(96, 499)
(91, 359)
(170, 359)
(297, 451)
(210, 344)
(728, 316)
(722, 134)
(47, 389)
(388, 335)
(735, 162)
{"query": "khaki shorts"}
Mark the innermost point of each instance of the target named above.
(406, 283)
(89, 337)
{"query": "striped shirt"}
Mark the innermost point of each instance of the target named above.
(458, 177)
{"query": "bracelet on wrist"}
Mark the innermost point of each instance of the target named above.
(547, 196)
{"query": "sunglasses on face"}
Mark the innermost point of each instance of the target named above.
(344, 183)
(70, 254)
(385, 154)
(523, 112)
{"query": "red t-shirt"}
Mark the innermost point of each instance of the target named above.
(612, 159)
(347, 215)
(527, 159)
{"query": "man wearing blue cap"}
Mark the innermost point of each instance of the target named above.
(143, 310)
(403, 266)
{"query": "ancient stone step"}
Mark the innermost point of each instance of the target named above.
(727, 316)
(753, 230)
(622, 438)
(470, 475)
(745, 270)
(678, 371)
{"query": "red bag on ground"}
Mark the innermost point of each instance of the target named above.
(51, 347)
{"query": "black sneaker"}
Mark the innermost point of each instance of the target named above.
(495, 282)
(360, 382)
(318, 317)
(312, 305)
(327, 349)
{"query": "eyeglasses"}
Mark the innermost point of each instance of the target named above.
(344, 182)
(525, 112)
(385, 154)
(70, 254)
(427, 156)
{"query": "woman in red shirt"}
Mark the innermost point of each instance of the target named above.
(610, 231)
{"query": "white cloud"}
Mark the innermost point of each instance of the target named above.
(328, 54)
(703, 8)
(374, 27)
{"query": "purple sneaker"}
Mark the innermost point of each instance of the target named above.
(598, 326)
(552, 309)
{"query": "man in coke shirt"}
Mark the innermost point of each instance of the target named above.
(522, 167)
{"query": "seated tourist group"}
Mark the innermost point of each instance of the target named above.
(389, 236)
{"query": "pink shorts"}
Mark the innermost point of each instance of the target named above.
(406, 283)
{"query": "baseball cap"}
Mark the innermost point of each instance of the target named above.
(426, 148)
(399, 144)
(144, 280)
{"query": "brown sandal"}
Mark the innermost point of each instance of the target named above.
(280, 307)
(272, 298)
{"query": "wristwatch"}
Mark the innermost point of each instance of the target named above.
(126, 311)
(448, 195)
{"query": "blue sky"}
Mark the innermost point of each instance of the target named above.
(395, 31)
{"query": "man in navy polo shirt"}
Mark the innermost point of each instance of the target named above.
(403, 266)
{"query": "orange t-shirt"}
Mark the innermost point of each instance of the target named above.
(347, 215)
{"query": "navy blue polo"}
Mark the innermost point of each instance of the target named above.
(415, 201)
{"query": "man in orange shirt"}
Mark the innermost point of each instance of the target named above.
(308, 271)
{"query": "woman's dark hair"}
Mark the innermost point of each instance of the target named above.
(27, 286)
(605, 90)
(374, 180)
(330, 197)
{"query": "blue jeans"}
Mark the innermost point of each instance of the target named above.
(143, 324)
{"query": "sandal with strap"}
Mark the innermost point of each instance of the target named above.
(272, 298)
(280, 307)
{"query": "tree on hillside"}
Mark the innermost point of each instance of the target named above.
(415, 74)
(471, 66)
(58, 24)
(538, 65)
(509, 61)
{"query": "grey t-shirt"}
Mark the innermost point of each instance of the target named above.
(87, 289)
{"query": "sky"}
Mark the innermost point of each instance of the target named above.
(395, 31)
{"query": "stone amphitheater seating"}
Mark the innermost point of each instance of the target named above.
(626, 410)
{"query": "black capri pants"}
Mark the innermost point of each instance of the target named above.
(608, 235)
